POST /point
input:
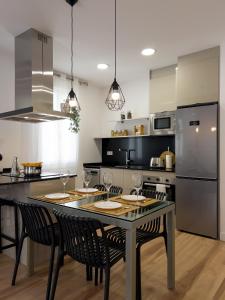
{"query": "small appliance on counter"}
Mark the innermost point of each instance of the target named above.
(168, 158)
(32, 169)
(156, 162)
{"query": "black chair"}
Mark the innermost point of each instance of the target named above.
(117, 236)
(39, 227)
(113, 190)
(117, 190)
(14, 241)
(84, 244)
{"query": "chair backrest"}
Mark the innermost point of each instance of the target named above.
(154, 225)
(81, 240)
(37, 223)
(100, 187)
(116, 189)
(113, 190)
(150, 194)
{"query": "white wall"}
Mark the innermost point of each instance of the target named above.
(136, 94)
(222, 142)
(91, 114)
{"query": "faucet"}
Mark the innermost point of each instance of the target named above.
(128, 152)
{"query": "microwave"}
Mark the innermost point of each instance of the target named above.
(163, 123)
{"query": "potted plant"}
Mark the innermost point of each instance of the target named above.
(74, 119)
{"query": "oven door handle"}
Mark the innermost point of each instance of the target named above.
(154, 184)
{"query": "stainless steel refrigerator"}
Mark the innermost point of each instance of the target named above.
(197, 169)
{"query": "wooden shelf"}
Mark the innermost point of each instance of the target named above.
(121, 136)
(132, 136)
(130, 120)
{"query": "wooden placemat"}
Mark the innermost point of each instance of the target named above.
(114, 212)
(98, 193)
(143, 203)
(58, 201)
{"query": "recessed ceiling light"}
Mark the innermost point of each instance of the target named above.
(148, 51)
(102, 66)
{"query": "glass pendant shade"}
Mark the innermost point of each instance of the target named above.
(72, 99)
(115, 100)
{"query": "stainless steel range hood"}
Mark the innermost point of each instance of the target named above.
(33, 80)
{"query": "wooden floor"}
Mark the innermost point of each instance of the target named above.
(200, 274)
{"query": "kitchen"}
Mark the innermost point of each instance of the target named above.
(67, 151)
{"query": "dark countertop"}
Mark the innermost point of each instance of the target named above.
(6, 179)
(130, 167)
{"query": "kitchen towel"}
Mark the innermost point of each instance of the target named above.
(161, 188)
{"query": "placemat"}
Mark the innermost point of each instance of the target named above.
(114, 212)
(59, 201)
(143, 203)
(98, 193)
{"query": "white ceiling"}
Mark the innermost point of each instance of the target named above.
(172, 27)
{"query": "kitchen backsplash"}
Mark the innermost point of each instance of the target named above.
(145, 148)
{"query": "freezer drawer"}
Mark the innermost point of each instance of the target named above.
(196, 206)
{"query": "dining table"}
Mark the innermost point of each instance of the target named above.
(130, 220)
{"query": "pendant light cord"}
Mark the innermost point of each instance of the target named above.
(71, 72)
(115, 40)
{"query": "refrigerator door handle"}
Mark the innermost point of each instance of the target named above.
(197, 178)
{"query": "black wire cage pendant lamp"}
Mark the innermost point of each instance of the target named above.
(115, 99)
(72, 97)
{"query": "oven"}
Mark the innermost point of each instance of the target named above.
(160, 184)
(163, 123)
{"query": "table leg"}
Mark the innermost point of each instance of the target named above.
(131, 264)
(171, 250)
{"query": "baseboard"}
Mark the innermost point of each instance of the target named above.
(222, 236)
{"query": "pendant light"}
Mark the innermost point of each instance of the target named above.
(115, 100)
(72, 97)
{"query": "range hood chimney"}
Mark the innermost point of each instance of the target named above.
(33, 80)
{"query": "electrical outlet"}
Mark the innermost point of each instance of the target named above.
(109, 153)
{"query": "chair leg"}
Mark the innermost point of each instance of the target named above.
(138, 273)
(23, 235)
(87, 273)
(16, 228)
(50, 271)
(56, 274)
(96, 276)
(107, 282)
(101, 275)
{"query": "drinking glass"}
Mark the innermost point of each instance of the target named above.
(64, 177)
(86, 178)
(137, 180)
(107, 181)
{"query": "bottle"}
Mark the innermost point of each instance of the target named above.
(122, 116)
(129, 115)
(15, 171)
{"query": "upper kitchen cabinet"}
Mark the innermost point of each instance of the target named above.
(163, 89)
(198, 77)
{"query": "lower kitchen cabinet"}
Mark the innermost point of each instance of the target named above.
(116, 174)
(123, 177)
(128, 184)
